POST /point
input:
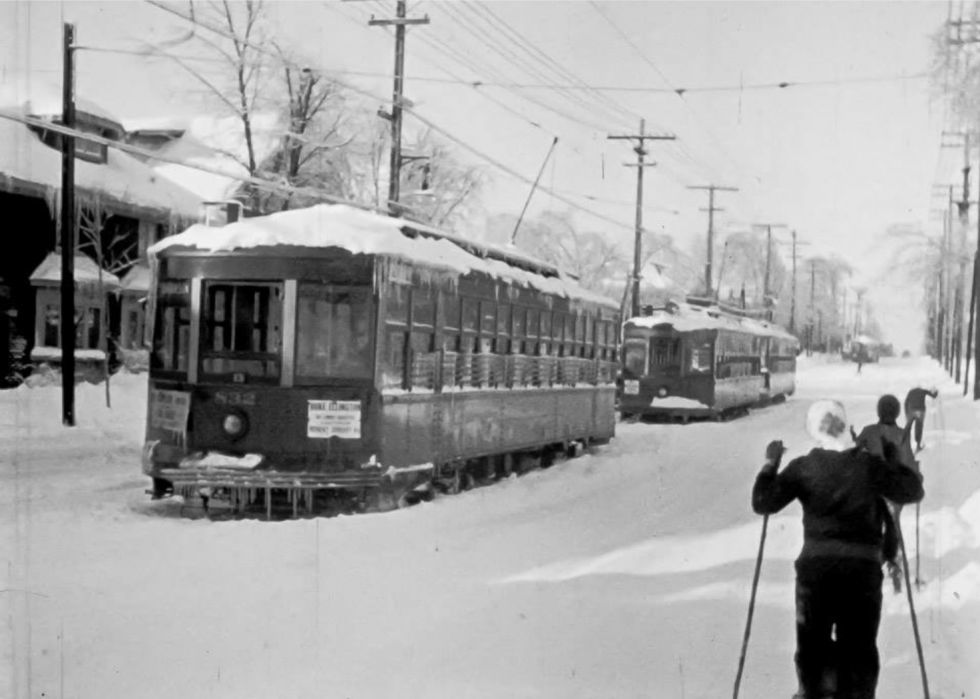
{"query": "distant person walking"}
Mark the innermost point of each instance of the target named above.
(839, 570)
(915, 411)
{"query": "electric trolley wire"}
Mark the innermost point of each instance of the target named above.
(531, 55)
(152, 155)
(543, 86)
(406, 108)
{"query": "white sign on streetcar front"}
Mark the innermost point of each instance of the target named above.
(334, 418)
(169, 409)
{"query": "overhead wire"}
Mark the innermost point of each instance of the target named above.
(527, 62)
(553, 86)
(405, 108)
(455, 54)
(535, 53)
(680, 93)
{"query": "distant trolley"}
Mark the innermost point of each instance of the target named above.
(694, 360)
(330, 359)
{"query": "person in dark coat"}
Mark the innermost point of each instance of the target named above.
(915, 411)
(839, 570)
(871, 439)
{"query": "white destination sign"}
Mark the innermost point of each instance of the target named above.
(169, 409)
(334, 418)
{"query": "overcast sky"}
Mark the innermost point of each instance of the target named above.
(838, 158)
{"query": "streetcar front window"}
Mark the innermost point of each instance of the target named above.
(333, 332)
(242, 330)
(635, 355)
(171, 329)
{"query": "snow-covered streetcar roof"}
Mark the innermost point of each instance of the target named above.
(364, 232)
(686, 317)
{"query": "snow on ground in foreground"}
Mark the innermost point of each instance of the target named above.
(621, 574)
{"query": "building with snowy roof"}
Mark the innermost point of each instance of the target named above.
(206, 154)
(123, 205)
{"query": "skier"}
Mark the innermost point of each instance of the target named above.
(915, 411)
(871, 439)
(839, 570)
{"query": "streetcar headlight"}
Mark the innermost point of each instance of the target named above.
(234, 425)
(661, 391)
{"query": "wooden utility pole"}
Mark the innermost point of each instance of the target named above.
(641, 152)
(792, 304)
(813, 287)
(397, 100)
(712, 188)
(766, 301)
(950, 301)
(964, 210)
(958, 40)
(66, 318)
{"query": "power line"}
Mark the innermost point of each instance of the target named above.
(406, 108)
(143, 153)
(667, 82)
(548, 86)
(558, 69)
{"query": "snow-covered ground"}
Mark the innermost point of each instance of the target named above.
(625, 573)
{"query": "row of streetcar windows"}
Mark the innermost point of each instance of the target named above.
(422, 321)
(242, 330)
(730, 356)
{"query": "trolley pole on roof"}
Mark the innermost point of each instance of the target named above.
(641, 152)
(67, 315)
(400, 22)
(712, 188)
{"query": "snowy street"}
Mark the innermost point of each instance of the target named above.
(625, 573)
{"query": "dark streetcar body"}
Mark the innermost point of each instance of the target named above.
(691, 361)
(308, 378)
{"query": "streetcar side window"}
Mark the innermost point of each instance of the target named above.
(503, 329)
(546, 344)
(333, 332)
(171, 333)
(700, 355)
(242, 327)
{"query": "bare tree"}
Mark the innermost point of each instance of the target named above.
(252, 75)
(437, 186)
(113, 254)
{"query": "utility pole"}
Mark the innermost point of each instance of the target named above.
(955, 355)
(974, 303)
(792, 306)
(641, 152)
(964, 210)
(397, 100)
(66, 318)
(766, 301)
(813, 287)
(949, 311)
(712, 188)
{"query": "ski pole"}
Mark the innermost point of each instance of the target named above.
(918, 558)
(915, 623)
(748, 621)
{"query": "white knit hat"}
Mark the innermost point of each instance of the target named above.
(826, 422)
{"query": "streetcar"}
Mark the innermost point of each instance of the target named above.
(332, 359)
(701, 360)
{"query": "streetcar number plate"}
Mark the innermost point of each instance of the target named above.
(631, 388)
